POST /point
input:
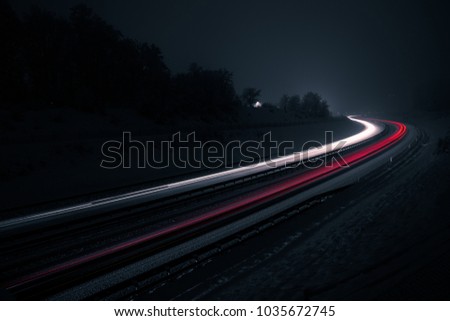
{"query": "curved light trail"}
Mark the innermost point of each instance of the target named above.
(370, 130)
(265, 195)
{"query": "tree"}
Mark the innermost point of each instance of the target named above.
(293, 104)
(48, 57)
(205, 94)
(84, 62)
(313, 105)
(11, 75)
(283, 104)
(250, 96)
(269, 106)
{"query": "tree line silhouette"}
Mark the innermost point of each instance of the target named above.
(84, 63)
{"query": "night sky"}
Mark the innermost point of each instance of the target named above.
(358, 55)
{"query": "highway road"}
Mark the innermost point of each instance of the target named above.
(115, 246)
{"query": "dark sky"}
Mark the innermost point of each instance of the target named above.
(358, 55)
